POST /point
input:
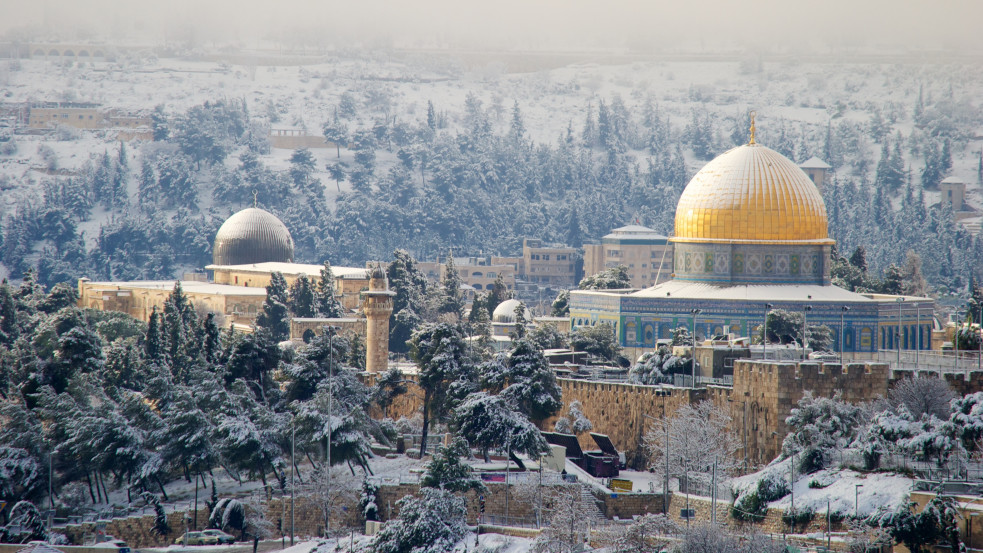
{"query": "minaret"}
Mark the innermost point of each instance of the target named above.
(377, 304)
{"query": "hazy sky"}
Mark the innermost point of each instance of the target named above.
(761, 25)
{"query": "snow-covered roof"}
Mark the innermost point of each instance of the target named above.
(189, 286)
(634, 232)
(814, 163)
(952, 180)
(752, 292)
(292, 269)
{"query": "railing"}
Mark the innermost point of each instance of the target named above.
(934, 361)
(686, 381)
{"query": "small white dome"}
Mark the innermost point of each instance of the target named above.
(505, 312)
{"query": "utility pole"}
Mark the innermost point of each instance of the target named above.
(805, 331)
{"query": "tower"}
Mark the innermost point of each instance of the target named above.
(377, 304)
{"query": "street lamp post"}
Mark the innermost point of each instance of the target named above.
(293, 472)
(805, 330)
(694, 312)
(843, 311)
(662, 392)
(764, 335)
(330, 330)
(856, 500)
(900, 301)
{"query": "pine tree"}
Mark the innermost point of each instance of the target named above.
(439, 350)
(326, 303)
(275, 316)
(497, 295)
(452, 301)
(301, 299)
(153, 344)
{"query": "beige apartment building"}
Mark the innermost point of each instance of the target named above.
(479, 272)
(548, 265)
(646, 253)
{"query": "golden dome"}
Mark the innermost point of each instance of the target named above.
(751, 193)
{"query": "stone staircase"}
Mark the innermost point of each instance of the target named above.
(591, 508)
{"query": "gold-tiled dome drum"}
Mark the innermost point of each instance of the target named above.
(751, 193)
(252, 235)
(751, 216)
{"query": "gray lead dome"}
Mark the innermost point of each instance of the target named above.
(251, 236)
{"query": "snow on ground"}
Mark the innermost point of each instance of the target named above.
(880, 491)
(487, 543)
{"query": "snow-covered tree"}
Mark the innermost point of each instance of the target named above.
(575, 421)
(26, 524)
(160, 527)
(301, 298)
(524, 378)
(658, 367)
(368, 500)
(608, 279)
(699, 437)
(326, 304)
(920, 395)
(446, 471)
(439, 351)
(433, 523)
(598, 341)
(490, 421)
(275, 314)
(820, 426)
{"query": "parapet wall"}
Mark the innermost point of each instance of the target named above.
(765, 393)
(621, 410)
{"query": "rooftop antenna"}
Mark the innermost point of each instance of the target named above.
(753, 115)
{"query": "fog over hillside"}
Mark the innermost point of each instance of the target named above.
(764, 26)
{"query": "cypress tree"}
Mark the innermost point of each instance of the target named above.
(153, 345)
(275, 317)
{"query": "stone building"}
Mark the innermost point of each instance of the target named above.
(249, 247)
(751, 236)
(816, 170)
(548, 265)
(646, 253)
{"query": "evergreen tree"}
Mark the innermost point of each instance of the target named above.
(275, 317)
(439, 352)
(497, 295)
(153, 345)
(326, 303)
(452, 301)
(301, 298)
(445, 471)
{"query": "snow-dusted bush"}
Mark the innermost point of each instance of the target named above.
(820, 427)
(575, 421)
(657, 367)
(25, 524)
(367, 501)
(752, 506)
(65, 133)
(48, 156)
(433, 523)
(8, 147)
